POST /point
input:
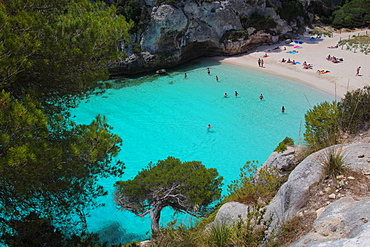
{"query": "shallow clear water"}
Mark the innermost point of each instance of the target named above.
(161, 116)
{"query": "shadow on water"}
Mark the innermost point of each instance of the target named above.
(115, 234)
(136, 80)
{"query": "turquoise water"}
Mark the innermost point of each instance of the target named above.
(161, 116)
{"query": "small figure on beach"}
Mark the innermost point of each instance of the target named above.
(283, 60)
(226, 95)
(283, 109)
(262, 63)
(216, 78)
(185, 75)
(259, 62)
(236, 94)
(261, 97)
(358, 70)
(208, 71)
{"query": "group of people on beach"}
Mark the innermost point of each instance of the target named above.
(260, 62)
(288, 61)
(305, 65)
(334, 59)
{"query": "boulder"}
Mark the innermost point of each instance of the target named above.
(231, 212)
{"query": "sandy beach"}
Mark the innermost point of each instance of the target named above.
(341, 78)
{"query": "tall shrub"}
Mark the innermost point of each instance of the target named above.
(321, 125)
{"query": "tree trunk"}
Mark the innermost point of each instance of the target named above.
(155, 215)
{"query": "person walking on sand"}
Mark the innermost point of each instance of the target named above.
(262, 63)
(259, 62)
(358, 70)
(261, 97)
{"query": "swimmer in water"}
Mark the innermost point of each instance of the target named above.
(216, 78)
(283, 109)
(226, 95)
(209, 127)
(261, 97)
(236, 94)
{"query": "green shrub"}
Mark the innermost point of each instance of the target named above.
(259, 22)
(249, 188)
(354, 14)
(234, 35)
(219, 235)
(283, 145)
(333, 163)
(322, 125)
(290, 10)
(354, 110)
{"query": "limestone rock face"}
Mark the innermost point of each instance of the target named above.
(285, 161)
(342, 223)
(187, 30)
(293, 194)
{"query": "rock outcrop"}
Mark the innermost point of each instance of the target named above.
(185, 30)
(342, 221)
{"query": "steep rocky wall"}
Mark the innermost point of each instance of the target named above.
(187, 30)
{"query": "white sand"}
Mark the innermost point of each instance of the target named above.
(342, 76)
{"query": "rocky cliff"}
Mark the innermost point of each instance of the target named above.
(333, 212)
(185, 30)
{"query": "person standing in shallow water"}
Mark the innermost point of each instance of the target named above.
(236, 94)
(261, 97)
(283, 109)
(185, 75)
(208, 71)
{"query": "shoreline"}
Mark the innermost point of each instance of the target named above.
(342, 77)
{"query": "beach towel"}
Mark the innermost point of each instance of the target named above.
(296, 46)
(291, 52)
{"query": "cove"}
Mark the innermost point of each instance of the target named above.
(167, 115)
